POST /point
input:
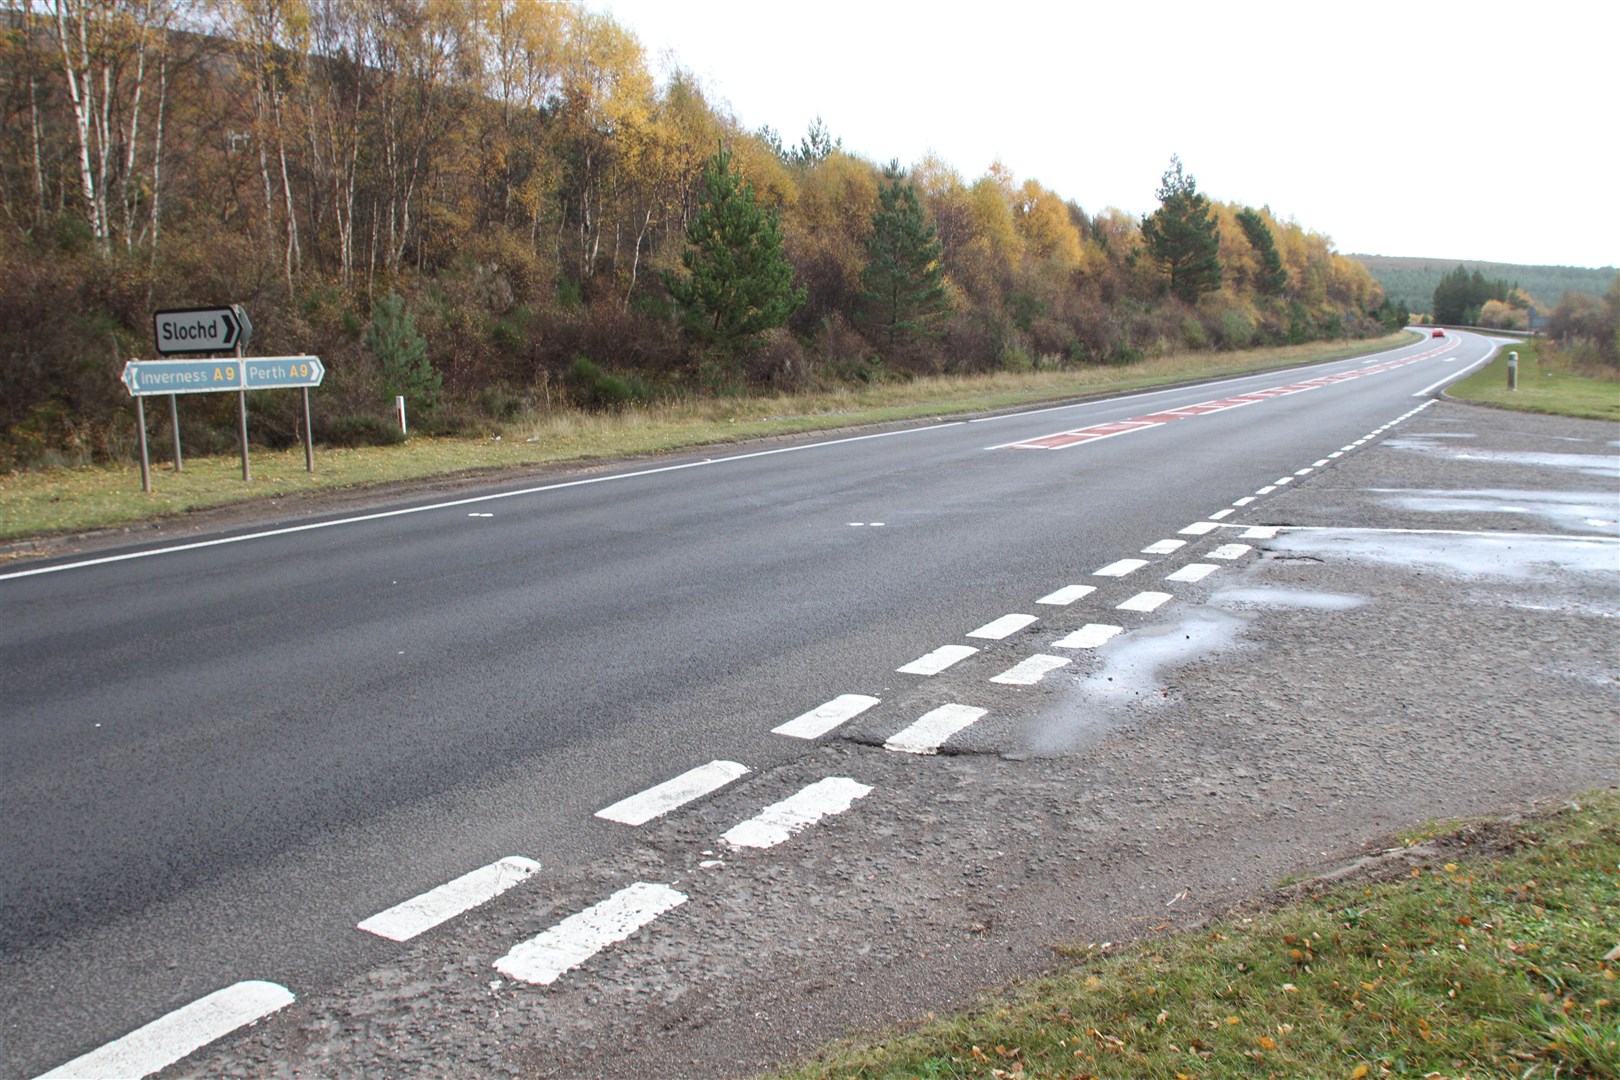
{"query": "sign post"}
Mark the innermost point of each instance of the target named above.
(145, 378)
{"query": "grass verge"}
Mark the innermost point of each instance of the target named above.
(1542, 388)
(66, 500)
(1489, 952)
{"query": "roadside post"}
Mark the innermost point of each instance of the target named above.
(1513, 371)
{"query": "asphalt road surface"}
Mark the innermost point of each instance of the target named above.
(218, 758)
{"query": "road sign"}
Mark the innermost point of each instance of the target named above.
(147, 377)
(200, 330)
(282, 372)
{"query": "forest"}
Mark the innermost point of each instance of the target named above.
(496, 206)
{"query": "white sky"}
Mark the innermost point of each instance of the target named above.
(1394, 128)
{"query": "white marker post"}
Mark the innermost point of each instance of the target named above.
(1513, 371)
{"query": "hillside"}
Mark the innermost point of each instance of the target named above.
(1411, 281)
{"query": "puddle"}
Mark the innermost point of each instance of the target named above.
(1577, 511)
(1604, 465)
(1286, 598)
(1496, 557)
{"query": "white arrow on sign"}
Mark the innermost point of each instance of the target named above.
(201, 330)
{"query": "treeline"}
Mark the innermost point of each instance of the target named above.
(488, 203)
(1411, 281)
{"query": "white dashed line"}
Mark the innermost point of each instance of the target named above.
(779, 821)
(1267, 490)
(1145, 601)
(1221, 515)
(1336, 454)
(1281, 480)
(1004, 627)
(1031, 671)
(823, 718)
(1089, 636)
(1245, 501)
(1199, 528)
(1067, 595)
(167, 1039)
(422, 913)
(1163, 547)
(1259, 532)
(938, 660)
(1319, 464)
(1231, 551)
(930, 731)
(1197, 571)
(660, 799)
(1304, 472)
(1120, 568)
(544, 958)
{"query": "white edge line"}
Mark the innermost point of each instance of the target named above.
(933, 729)
(778, 822)
(169, 1038)
(823, 718)
(422, 913)
(545, 957)
(472, 500)
(660, 799)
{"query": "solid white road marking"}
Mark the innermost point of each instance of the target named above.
(779, 821)
(1004, 627)
(823, 718)
(1163, 547)
(1230, 551)
(474, 500)
(1067, 595)
(1199, 528)
(545, 957)
(938, 660)
(1145, 601)
(660, 799)
(1197, 571)
(422, 913)
(169, 1038)
(1120, 568)
(1030, 671)
(1089, 636)
(930, 730)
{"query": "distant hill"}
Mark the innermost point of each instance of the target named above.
(1412, 281)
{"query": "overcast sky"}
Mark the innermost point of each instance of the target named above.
(1472, 130)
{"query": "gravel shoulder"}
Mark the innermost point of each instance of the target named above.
(1376, 665)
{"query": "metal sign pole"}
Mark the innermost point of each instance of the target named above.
(174, 428)
(146, 464)
(241, 399)
(309, 436)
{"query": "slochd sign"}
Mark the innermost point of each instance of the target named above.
(179, 331)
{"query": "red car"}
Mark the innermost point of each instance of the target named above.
(1438, 333)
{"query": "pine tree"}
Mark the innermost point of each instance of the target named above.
(903, 284)
(1273, 279)
(402, 352)
(1183, 237)
(737, 283)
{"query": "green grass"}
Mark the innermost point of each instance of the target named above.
(65, 500)
(1542, 388)
(1471, 966)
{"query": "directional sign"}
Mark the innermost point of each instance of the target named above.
(200, 330)
(282, 372)
(147, 377)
